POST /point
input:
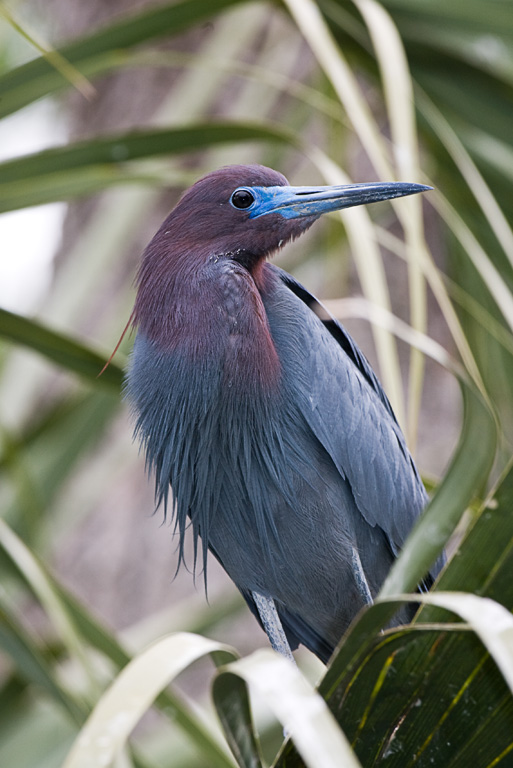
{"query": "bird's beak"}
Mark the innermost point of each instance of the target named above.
(296, 202)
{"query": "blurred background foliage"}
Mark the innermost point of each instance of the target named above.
(128, 102)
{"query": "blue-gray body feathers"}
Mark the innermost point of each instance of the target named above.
(281, 484)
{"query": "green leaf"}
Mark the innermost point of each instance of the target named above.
(36, 734)
(40, 466)
(38, 78)
(89, 166)
(59, 348)
(431, 689)
(418, 692)
(53, 57)
(31, 664)
(483, 561)
(233, 707)
(466, 477)
(492, 623)
(169, 702)
(294, 702)
(132, 693)
(33, 574)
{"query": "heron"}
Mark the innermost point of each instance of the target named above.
(264, 426)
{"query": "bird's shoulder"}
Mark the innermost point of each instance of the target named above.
(337, 333)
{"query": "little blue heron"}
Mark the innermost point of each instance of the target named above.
(260, 412)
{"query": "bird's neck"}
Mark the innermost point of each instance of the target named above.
(210, 311)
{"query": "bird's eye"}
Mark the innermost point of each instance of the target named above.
(242, 198)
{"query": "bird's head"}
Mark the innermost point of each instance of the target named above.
(242, 213)
(248, 212)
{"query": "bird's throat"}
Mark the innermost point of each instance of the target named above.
(214, 317)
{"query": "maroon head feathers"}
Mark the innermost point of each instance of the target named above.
(206, 225)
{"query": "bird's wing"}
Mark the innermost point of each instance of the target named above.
(340, 334)
(351, 416)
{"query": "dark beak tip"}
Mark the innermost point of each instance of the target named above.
(417, 187)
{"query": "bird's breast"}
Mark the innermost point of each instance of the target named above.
(213, 317)
(250, 359)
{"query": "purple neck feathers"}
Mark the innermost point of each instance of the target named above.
(205, 306)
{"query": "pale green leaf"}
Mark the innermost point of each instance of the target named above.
(303, 713)
(131, 694)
